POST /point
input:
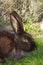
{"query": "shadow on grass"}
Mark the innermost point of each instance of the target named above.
(33, 58)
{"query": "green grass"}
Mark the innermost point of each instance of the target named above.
(31, 27)
(33, 58)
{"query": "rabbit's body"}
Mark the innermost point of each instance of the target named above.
(17, 44)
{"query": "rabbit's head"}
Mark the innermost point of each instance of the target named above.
(28, 42)
(24, 40)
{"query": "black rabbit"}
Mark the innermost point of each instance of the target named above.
(17, 44)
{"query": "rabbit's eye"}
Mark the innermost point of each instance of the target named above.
(25, 40)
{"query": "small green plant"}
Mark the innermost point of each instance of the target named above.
(29, 26)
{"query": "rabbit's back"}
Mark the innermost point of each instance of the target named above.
(6, 43)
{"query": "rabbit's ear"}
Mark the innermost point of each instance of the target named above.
(16, 23)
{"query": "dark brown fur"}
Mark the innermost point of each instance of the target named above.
(15, 45)
(6, 43)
